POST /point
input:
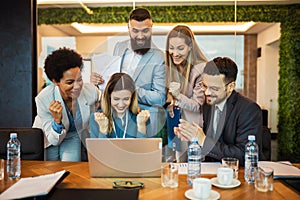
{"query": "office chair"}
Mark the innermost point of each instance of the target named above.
(266, 137)
(266, 143)
(32, 142)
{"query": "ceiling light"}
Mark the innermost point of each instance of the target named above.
(89, 11)
(163, 29)
(99, 28)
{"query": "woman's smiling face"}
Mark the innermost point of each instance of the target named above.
(120, 101)
(70, 84)
(178, 50)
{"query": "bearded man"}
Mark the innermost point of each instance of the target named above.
(142, 60)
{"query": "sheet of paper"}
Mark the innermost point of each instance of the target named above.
(32, 186)
(283, 169)
(206, 167)
(105, 65)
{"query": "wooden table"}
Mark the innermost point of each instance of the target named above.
(80, 178)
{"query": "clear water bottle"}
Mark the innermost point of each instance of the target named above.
(13, 164)
(194, 161)
(251, 159)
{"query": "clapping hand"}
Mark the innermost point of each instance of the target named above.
(102, 121)
(186, 131)
(55, 109)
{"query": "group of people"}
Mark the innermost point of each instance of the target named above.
(198, 97)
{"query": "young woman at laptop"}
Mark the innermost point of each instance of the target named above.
(119, 116)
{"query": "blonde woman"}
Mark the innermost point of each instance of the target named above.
(185, 63)
(119, 116)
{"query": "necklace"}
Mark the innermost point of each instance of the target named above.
(126, 125)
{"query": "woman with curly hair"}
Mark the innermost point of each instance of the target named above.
(64, 107)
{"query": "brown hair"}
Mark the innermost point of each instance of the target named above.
(117, 82)
(195, 55)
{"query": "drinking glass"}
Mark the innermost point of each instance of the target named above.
(232, 163)
(264, 179)
(169, 175)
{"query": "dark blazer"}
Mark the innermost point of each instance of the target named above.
(240, 117)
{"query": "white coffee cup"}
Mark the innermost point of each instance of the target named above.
(225, 175)
(201, 187)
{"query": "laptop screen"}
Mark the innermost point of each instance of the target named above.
(124, 157)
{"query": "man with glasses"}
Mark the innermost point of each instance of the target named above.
(228, 116)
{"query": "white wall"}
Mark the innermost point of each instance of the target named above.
(88, 45)
(268, 73)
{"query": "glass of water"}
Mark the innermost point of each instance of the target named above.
(264, 179)
(232, 163)
(169, 175)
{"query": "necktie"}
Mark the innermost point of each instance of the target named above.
(217, 116)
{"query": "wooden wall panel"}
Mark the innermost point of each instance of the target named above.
(250, 66)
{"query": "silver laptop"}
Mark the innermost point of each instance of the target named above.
(124, 157)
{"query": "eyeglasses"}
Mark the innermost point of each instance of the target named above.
(128, 184)
(204, 87)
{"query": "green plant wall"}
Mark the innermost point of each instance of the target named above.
(287, 15)
(166, 14)
(289, 88)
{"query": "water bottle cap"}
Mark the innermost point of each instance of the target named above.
(13, 135)
(251, 137)
(194, 139)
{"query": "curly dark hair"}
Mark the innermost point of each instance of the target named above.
(60, 61)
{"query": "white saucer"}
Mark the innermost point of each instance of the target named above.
(214, 195)
(235, 183)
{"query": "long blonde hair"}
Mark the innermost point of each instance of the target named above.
(117, 82)
(194, 57)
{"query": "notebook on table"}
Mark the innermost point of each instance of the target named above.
(124, 157)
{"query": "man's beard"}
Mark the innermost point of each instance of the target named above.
(141, 50)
